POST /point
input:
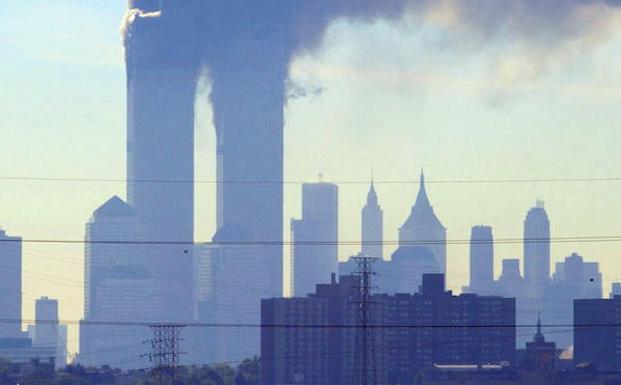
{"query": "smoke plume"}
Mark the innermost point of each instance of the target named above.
(295, 26)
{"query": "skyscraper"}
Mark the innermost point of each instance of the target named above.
(117, 288)
(510, 283)
(481, 260)
(47, 332)
(372, 227)
(162, 69)
(423, 227)
(573, 279)
(247, 59)
(314, 254)
(10, 285)
(537, 248)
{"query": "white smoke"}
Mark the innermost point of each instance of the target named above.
(130, 17)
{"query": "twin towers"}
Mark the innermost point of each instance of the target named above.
(247, 77)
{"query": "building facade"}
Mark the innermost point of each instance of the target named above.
(411, 332)
(314, 252)
(597, 332)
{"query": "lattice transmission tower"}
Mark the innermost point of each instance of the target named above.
(165, 353)
(364, 370)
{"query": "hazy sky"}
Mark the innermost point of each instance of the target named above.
(432, 89)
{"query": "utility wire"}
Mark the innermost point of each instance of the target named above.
(302, 326)
(574, 239)
(297, 182)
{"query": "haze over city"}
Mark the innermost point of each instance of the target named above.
(501, 106)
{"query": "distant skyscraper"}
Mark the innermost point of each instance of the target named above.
(573, 279)
(481, 260)
(615, 289)
(537, 248)
(581, 279)
(314, 254)
(47, 332)
(372, 226)
(117, 288)
(10, 285)
(162, 68)
(510, 283)
(423, 227)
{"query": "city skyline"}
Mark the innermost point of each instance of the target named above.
(29, 212)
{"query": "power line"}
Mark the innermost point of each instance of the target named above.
(297, 182)
(303, 326)
(569, 239)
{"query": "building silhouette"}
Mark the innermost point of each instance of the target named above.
(162, 69)
(540, 355)
(308, 350)
(481, 261)
(47, 333)
(247, 57)
(372, 229)
(423, 228)
(597, 327)
(314, 252)
(510, 283)
(10, 285)
(537, 249)
(573, 279)
(615, 289)
(118, 287)
(403, 273)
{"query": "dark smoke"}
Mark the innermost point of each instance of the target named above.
(299, 25)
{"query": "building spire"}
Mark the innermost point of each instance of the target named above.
(422, 201)
(372, 195)
(539, 338)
